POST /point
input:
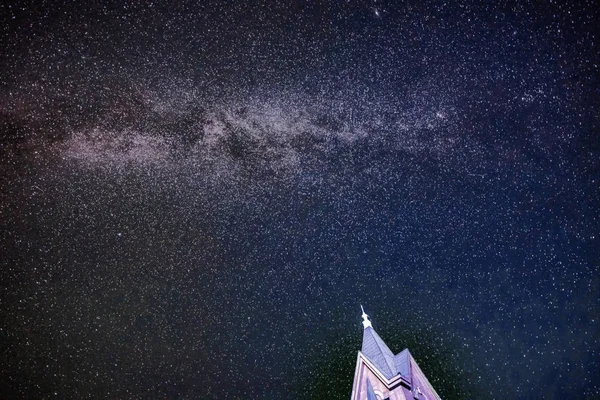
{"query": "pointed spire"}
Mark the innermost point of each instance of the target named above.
(376, 350)
(366, 323)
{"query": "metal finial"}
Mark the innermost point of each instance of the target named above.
(366, 323)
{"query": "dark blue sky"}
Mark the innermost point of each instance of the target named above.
(197, 197)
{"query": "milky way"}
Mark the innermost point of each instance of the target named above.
(196, 198)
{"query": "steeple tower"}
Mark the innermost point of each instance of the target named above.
(384, 375)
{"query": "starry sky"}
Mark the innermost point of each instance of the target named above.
(197, 196)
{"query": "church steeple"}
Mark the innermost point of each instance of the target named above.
(380, 373)
(376, 350)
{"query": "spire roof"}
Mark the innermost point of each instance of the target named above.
(401, 373)
(377, 351)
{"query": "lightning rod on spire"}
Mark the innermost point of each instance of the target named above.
(366, 323)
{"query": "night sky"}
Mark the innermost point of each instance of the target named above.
(196, 197)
